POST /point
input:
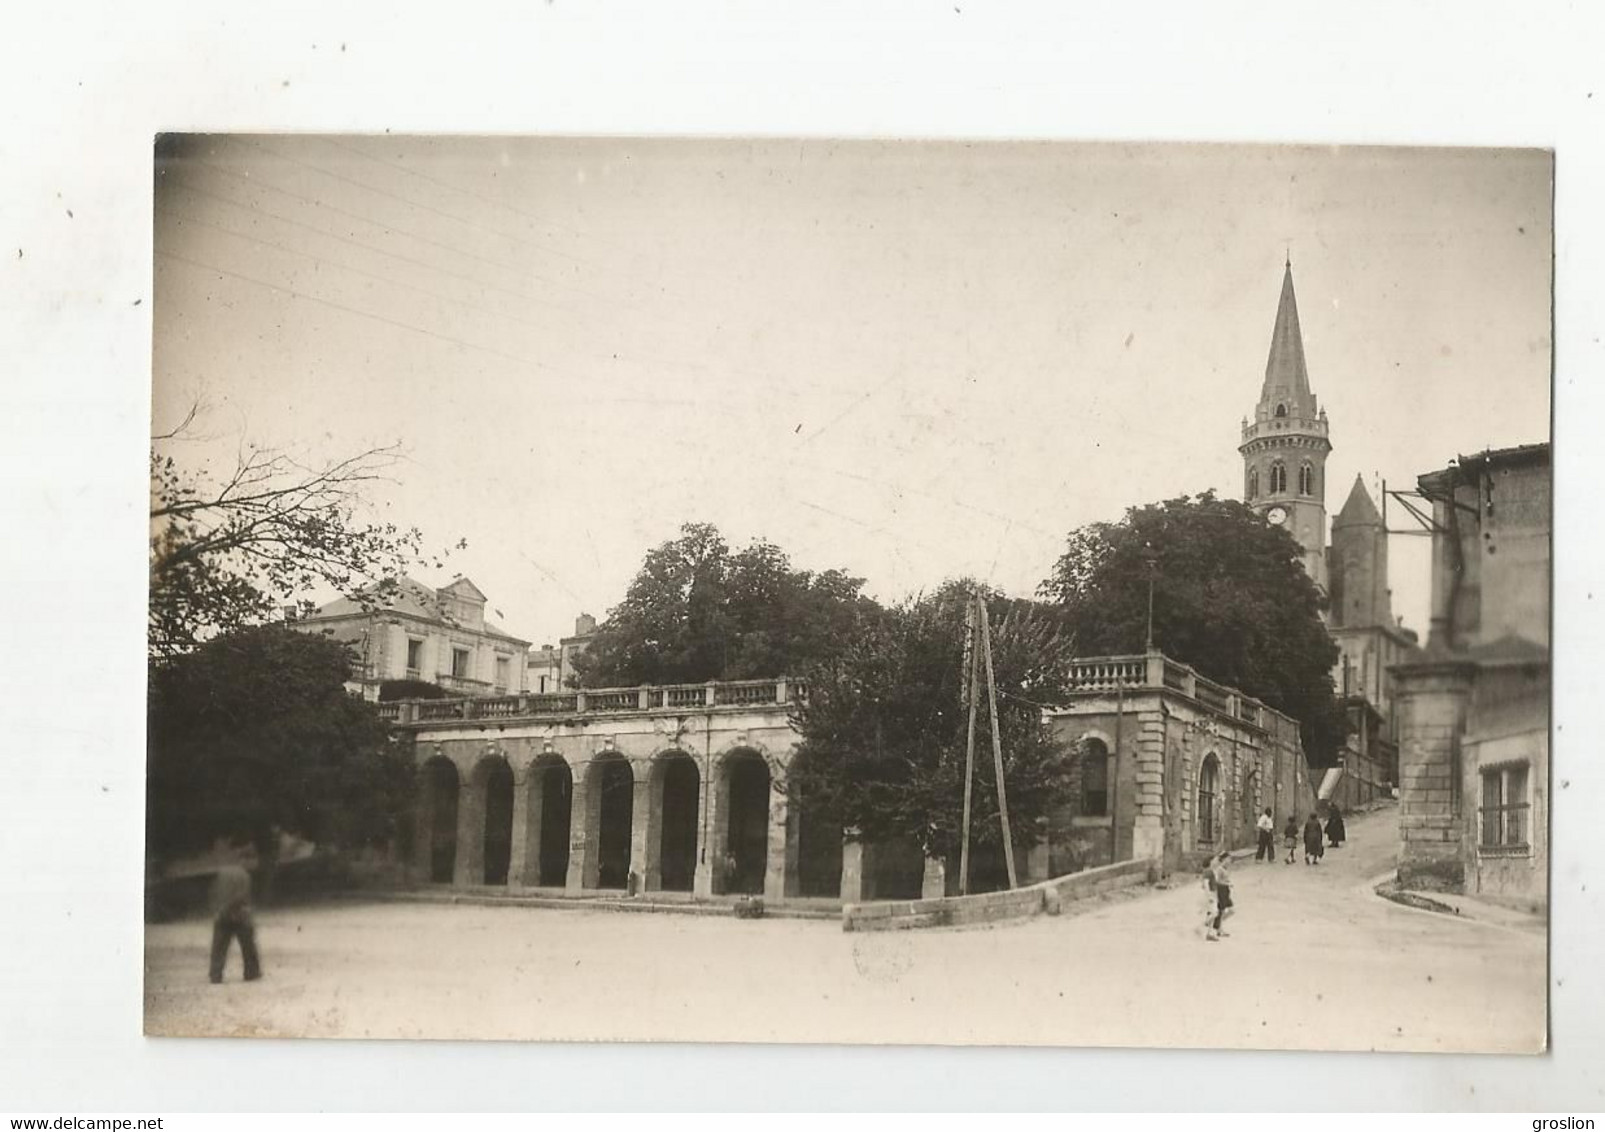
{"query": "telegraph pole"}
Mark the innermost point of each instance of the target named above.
(972, 682)
(997, 743)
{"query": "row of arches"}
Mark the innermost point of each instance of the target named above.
(1276, 479)
(594, 825)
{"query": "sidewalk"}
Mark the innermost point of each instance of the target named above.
(1462, 906)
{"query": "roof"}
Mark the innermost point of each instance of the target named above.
(1358, 510)
(412, 598)
(1286, 376)
(1432, 484)
(462, 587)
(1495, 457)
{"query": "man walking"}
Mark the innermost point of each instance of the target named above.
(231, 912)
(1265, 850)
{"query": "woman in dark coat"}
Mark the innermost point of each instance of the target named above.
(1314, 843)
(1335, 833)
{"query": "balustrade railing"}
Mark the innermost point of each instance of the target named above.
(1108, 672)
(1210, 694)
(611, 699)
(673, 697)
(683, 695)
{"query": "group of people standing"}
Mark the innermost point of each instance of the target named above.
(1314, 835)
(1217, 874)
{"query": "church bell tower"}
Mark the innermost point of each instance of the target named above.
(1285, 445)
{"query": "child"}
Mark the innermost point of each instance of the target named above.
(1211, 901)
(1290, 836)
(1223, 890)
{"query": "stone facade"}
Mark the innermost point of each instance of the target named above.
(419, 633)
(1190, 766)
(676, 789)
(1474, 706)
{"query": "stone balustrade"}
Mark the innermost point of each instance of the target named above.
(670, 698)
(1157, 671)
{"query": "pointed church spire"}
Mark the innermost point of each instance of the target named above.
(1359, 510)
(1286, 378)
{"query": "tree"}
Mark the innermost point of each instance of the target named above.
(1231, 598)
(883, 726)
(390, 690)
(254, 730)
(696, 611)
(228, 551)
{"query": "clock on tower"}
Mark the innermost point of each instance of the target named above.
(1285, 445)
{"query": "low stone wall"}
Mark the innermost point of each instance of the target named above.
(1050, 896)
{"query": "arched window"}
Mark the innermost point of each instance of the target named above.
(1278, 477)
(1094, 778)
(1253, 483)
(1208, 790)
(1281, 411)
(1306, 479)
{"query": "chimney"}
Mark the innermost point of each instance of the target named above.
(584, 625)
(289, 614)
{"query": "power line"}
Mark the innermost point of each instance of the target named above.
(352, 310)
(387, 280)
(452, 216)
(276, 155)
(400, 168)
(522, 295)
(658, 363)
(449, 187)
(388, 228)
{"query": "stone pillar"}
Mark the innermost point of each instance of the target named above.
(934, 886)
(1036, 858)
(470, 833)
(1147, 793)
(853, 862)
(518, 859)
(780, 862)
(423, 828)
(582, 816)
(646, 835)
(702, 879)
(1431, 698)
(718, 827)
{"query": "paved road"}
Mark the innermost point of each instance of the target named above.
(1315, 961)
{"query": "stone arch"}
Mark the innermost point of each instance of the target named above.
(609, 820)
(549, 801)
(1209, 797)
(436, 841)
(674, 782)
(743, 782)
(813, 843)
(488, 830)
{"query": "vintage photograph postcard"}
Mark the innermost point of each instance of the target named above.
(849, 591)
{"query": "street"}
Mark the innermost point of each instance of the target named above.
(1314, 961)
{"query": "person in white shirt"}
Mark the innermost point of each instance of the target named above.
(1266, 849)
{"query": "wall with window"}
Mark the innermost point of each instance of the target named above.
(1506, 751)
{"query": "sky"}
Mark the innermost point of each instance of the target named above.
(912, 361)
